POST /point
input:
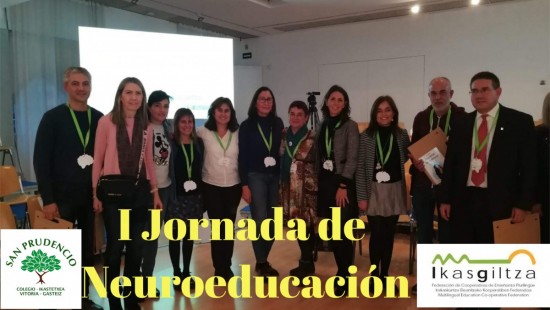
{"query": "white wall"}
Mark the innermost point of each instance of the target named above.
(511, 39)
(247, 80)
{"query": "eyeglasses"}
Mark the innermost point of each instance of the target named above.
(265, 99)
(482, 91)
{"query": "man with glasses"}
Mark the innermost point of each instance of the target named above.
(490, 165)
(441, 113)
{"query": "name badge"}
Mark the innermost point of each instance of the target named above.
(382, 176)
(84, 160)
(269, 161)
(189, 185)
(293, 168)
(328, 165)
(476, 165)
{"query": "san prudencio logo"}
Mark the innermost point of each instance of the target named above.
(40, 266)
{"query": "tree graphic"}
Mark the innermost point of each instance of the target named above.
(40, 262)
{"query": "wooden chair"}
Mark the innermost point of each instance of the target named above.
(9, 181)
(10, 186)
(33, 204)
(7, 220)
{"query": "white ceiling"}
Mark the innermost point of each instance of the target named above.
(253, 18)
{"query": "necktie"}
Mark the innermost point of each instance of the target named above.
(479, 177)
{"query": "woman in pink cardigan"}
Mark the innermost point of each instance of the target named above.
(118, 148)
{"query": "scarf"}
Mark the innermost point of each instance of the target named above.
(129, 153)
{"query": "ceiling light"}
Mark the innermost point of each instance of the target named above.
(474, 2)
(415, 9)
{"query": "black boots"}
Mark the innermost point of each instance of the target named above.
(303, 270)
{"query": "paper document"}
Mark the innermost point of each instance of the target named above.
(432, 159)
(431, 149)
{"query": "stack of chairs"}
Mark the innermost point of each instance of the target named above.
(16, 207)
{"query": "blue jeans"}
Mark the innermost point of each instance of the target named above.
(264, 188)
(423, 203)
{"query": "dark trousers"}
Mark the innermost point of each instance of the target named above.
(186, 246)
(424, 203)
(150, 247)
(221, 203)
(343, 250)
(471, 220)
(382, 233)
(75, 204)
(134, 248)
(307, 246)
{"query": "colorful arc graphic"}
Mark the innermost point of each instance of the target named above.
(464, 257)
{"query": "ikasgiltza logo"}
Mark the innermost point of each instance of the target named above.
(491, 275)
(40, 268)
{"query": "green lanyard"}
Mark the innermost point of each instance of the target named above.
(291, 155)
(188, 164)
(447, 121)
(78, 130)
(383, 159)
(479, 146)
(224, 148)
(268, 145)
(328, 142)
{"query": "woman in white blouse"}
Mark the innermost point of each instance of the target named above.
(220, 174)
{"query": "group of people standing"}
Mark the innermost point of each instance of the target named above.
(185, 171)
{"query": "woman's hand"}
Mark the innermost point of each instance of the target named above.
(247, 195)
(342, 197)
(97, 205)
(157, 203)
(363, 205)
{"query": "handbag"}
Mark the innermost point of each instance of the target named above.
(118, 188)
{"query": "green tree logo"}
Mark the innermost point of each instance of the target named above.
(40, 262)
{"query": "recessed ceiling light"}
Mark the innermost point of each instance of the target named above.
(415, 9)
(475, 2)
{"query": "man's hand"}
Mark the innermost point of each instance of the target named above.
(537, 208)
(445, 211)
(51, 211)
(418, 164)
(518, 215)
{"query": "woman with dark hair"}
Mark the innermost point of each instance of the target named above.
(158, 105)
(123, 146)
(337, 145)
(381, 189)
(298, 189)
(185, 202)
(220, 176)
(259, 168)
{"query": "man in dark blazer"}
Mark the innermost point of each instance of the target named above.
(490, 166)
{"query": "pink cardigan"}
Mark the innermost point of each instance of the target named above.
(106, 154)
